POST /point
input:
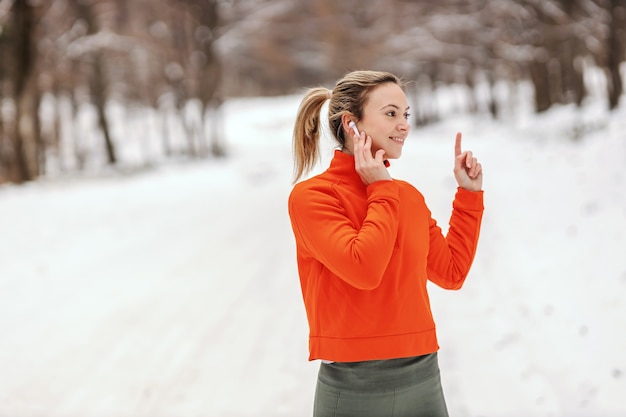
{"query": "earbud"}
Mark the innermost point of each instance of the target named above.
(353, 127)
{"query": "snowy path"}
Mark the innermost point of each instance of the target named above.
(174, 292)
(165, 297)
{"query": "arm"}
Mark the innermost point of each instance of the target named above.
(357, 254)
(450, 257)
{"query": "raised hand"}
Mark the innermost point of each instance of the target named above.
(467, 170)
(370, 168)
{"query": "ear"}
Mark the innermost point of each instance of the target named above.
(346, 118)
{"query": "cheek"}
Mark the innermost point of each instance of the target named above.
(380, 139)
(377, 142)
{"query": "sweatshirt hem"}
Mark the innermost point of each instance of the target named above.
(373, 348)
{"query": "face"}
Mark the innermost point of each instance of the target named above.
(385, 119)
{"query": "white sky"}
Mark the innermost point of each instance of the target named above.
(174, 292)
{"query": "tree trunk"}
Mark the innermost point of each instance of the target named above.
(24, 159)
(572, 86)
(79, 152)
(540, 78)
(216, 134)
(188, 127)
(578, 81)
(568, 51)
(3, 160)
(210, 78)
(165, 127)
(97, 80)
(98, 96)
(615, 51)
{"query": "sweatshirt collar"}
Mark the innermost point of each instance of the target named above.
(343, 164)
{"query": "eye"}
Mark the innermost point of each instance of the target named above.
(391, 113)
(407, 115)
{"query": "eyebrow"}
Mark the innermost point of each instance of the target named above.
(394, 106)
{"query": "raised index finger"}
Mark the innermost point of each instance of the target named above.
(457, 145)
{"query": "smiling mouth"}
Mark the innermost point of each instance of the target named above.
(397, 139)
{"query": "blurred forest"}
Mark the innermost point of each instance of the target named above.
(181, 59)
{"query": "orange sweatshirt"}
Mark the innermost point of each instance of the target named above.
(364, 256)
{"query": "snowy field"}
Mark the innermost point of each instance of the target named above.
(173, 292)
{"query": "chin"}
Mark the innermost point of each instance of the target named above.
(391, 152)
(393, 155)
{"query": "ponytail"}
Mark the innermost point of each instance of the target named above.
(306, 132)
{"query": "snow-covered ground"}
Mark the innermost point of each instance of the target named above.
(174, 292)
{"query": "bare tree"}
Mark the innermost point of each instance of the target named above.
(98, 83)
(616, 49)
(206, 69)
(23, 160)
(178, 60)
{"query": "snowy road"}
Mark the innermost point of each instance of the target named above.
(154, 295)
(174, 292)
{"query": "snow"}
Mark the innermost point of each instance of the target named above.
(174, 291)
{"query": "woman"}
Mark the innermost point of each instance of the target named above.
(366, 246)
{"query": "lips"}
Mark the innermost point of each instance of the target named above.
(397, 139)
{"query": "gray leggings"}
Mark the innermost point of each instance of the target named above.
(406, 387)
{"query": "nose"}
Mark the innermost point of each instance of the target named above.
(404, 126)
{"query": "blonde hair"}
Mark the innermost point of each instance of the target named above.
(347, 97)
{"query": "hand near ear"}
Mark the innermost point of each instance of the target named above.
(370, 168)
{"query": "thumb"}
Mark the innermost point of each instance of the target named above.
(380, 155)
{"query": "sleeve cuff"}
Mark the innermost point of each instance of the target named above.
(468, 200)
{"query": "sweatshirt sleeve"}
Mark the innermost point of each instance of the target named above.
(450, 257)
(358, 254)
